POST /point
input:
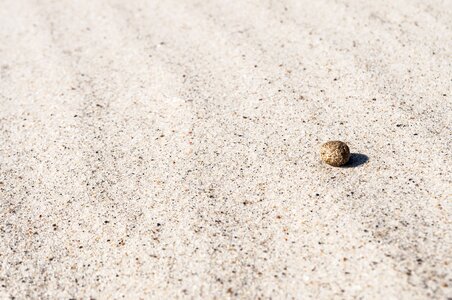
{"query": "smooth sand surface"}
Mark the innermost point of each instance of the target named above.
(170, 149)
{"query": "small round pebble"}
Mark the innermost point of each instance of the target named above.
(335, 153)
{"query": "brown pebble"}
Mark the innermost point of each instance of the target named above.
(335, 153)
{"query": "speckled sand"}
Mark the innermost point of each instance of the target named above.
(170, 149)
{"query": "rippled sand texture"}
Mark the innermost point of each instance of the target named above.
(170, 149)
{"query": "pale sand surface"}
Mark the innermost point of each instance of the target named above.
(169, 149)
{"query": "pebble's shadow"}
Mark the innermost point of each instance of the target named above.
(356, 160)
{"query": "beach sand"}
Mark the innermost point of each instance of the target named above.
(170, 149)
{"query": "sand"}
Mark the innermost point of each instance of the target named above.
(170, 149)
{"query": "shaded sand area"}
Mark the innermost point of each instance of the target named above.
(170, 149)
